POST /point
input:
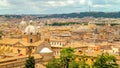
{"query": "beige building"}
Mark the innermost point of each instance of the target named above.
(48, 41)
(30, 42)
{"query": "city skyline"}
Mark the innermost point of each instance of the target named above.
(57, 6)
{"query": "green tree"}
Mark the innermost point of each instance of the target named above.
(82, 62)
(105, 61)
(73, 64)
(67, 60)
(67, 55)
(55, 63)
(30, 62)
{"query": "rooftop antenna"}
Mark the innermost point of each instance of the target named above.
(89, 6)
(89, 9)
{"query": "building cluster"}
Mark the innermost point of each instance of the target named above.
(45, 42)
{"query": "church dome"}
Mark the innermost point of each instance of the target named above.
(45, 50)
(30, 29)
(23, 23)
(31, 21)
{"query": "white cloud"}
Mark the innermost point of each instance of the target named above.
(86, 2)
(56, 6)
(101, 6)
(60, 3)
(70, 1)
(82, 2)
(4, 3)
(90, 3)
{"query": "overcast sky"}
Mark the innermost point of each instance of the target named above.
(57, 6)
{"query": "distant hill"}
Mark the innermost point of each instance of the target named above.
(70, 15)
(86, 14)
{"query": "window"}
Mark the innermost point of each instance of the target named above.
(60, 43)
(37, 33)
(31, 40)
(30, 33)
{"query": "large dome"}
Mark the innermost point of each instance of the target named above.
(45, 50)
(23, 23)
(30, 29)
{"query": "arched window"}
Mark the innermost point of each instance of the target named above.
(31, 33)
(18, 50)
(31, 40)
(60, 43)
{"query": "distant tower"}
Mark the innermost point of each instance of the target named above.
(89, 6)
(89, 10)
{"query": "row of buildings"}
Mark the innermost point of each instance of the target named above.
(29, 38)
